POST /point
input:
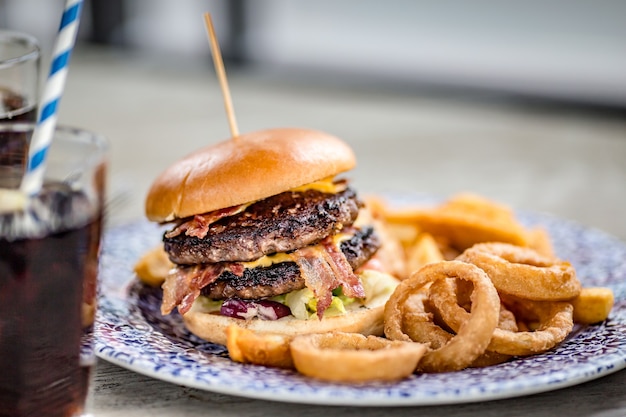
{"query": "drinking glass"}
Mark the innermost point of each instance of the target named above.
(49, 247)
(19, 85)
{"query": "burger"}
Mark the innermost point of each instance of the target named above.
(264, 233)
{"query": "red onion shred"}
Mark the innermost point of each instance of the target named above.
(248, 309)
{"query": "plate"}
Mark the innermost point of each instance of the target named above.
(131, 332)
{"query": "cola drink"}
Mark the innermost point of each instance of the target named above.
(48, 275)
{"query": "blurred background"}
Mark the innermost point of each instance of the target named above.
(524, 102)
(555, 50)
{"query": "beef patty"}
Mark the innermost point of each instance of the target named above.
(280, 223)
(285, 277)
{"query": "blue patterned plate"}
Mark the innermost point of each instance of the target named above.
(132, 333)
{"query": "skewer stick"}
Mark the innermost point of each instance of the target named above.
(221, 75)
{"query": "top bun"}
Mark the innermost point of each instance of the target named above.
(246, 168)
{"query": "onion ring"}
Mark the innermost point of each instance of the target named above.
(354, 358)
(473, 336)
(524, 273)
(555, 322)
(554, 318)
(445, 297)
(444, 300)
(437, 337)
(490, 358)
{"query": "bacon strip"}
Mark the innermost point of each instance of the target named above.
(350, 283)
(198, 225)
(318, 276)
(325, 268)
(182, 286)
(236, 268)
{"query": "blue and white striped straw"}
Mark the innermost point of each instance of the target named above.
(53, 90)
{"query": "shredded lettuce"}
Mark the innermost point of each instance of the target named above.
(337, 307)
(298, 301)
(208, 305)
(303, 304)
(377, 284)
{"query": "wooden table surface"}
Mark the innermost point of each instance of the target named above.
(562, 161)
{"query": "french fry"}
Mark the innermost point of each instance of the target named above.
(406, 234)
(399, 223)
(476, 205)
(376, 206)
(593, 305)
(266, 349)
(539, 240)
(382, 210)
(391, 252)
(463, 220)
(467, 219)
(424, 251)
(449, 253)
(153, 266)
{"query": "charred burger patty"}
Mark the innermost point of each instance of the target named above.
(281, 278)
(280, 223)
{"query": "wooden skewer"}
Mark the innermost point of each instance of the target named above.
(221, 75)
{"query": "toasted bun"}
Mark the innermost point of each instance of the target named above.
(247, 168)
(367, 320)
(212, 327)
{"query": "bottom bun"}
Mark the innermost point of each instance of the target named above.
(366, 319)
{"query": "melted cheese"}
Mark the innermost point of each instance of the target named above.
(269, 260)
(325, 185)
(341, 237)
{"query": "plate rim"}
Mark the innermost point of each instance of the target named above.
(337, 401)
